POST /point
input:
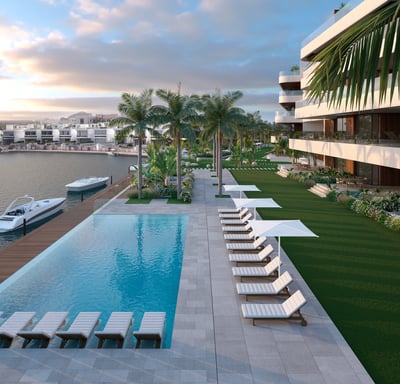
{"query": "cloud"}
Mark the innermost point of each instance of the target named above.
(99, 49)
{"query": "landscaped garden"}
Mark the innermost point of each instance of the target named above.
(353, 268)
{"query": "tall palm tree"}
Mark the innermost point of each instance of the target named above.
(135, 116)
(221, 117)
(368, 49)
(179, 115)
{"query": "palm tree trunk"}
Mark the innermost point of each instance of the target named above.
(219, 149)
(140, 177)
(214, 153)
(178, 165)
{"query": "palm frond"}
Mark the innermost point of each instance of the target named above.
(348, 67)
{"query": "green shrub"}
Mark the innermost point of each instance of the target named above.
(309, 183)
(331, 196)
(393, 222)
(186, 196)
(133, 195)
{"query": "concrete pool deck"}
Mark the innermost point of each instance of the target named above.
(211, 341)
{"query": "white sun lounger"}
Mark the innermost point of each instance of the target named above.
(260, 257)
(289, 309)
(151, 328)
(45, 329)
(117, 328)
(240, 221)
(277, 287)
(237, 228)
(254, 246)
(234, 215)
(240, 236)
(267, 270)
(229, 210)
(15, 323)
(81, 328)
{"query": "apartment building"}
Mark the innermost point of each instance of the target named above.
(291, 92)
(362, 141)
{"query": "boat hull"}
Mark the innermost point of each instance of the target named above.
(38, 211)
(86, 183)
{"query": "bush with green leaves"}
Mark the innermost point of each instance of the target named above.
(309, 183)
(332, 196)
(186, 196)
(393, 222)
(372, 207)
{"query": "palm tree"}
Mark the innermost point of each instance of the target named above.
(368, 49)
(221, 116)
(161, 160)
(179, 115)
(135, 116)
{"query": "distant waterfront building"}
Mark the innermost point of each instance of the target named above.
(364, 142)
(66, 131)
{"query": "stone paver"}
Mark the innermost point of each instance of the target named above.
(211, 342)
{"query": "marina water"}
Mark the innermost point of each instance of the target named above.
(44, 175)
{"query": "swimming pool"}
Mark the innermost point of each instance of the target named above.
(107, 263)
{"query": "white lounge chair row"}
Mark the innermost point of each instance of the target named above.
(289, 309)
(234, 215)
(241, 232)
(83, 326)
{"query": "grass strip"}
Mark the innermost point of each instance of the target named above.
(353, 268)
(137, 201)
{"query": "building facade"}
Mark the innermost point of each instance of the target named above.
(363, 141)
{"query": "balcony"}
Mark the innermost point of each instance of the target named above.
(362, 149)
(331, 20)
(338, 23)
(308, 109)
(289, 81)
(290, 98)
(286, 118)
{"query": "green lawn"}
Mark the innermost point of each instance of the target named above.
(353, 268)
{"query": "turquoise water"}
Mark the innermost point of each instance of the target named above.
(107, 263)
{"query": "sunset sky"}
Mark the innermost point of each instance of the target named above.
(58, 57)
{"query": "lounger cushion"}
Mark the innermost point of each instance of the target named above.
(151, 328)
(82, 326)
(265, 288)
(15, 323)
(267, 270)
(252, 257)
(254, 245)
(240, 236)
(47, 326)
(117, 325)
(274, 311)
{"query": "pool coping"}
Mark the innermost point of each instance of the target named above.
(211, 342)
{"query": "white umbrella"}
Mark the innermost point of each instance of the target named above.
(256, 203)
(240, 188)
(279, 228)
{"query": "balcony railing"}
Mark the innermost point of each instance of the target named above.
(290, 93)
(341, 137)
(289, 73)
(331, 20)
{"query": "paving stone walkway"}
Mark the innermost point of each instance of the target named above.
(211, 342)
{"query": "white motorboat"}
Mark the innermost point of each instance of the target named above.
(25, 210)
(86, 183)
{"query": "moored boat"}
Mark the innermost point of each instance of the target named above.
(86, 183)
(25, 210)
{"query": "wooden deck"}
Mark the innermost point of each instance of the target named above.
(25, 249)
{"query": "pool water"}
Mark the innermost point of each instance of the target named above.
(107, 263)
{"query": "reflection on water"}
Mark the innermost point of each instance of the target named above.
(44, 175)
